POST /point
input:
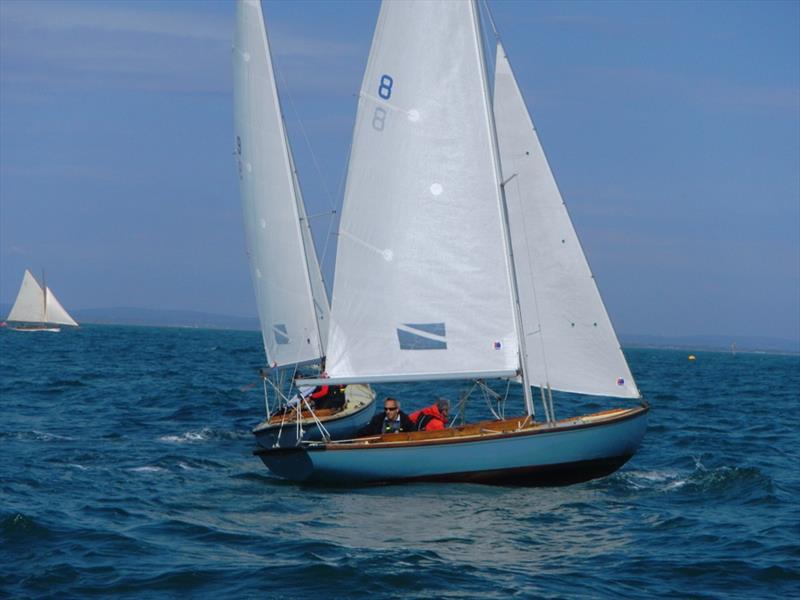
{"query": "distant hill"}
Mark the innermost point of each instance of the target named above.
(163, 318)
(156, 318)
(712, 342)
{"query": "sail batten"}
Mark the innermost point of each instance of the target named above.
(571, 344)
(290, 297)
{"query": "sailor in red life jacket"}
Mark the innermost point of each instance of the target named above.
(304, 392)
(433, 417)
(328, 396)
(319, 392)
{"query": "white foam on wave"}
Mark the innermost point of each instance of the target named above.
(187, 437)
(205, 434)
(669, 479)
(43, 436)
(146, 469)
(77, 466)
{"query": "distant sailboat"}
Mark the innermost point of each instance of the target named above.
(37, 308)
(291, 298)
(458, 260)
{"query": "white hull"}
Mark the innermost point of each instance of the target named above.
(48, 329)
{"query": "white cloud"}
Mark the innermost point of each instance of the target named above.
(154, 46)
(148, 18)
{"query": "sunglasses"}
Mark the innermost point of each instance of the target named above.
(389, 408)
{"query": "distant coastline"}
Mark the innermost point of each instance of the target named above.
(713, 343)
(196, 319)
(157, 318)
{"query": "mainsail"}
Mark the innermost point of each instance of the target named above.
(571, 345)
(422, 287)
(36, 303)
(290, 295)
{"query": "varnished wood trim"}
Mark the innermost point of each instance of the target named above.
(485, 430)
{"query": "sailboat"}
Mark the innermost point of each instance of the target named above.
(292, 301)
(37, 308)
(457, 260)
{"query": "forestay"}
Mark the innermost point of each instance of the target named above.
(570, 342)
(422, 285)
(292, 304)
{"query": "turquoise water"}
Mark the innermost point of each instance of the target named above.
(126, 472)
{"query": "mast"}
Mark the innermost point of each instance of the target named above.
(44, 297)
(506, 227)
(309, 251)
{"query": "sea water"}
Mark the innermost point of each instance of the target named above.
(125, 456)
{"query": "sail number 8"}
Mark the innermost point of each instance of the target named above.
(385, 88)
(385, 92)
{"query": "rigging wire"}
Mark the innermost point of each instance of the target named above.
(330, 199)
(548, 408)
(491, 19)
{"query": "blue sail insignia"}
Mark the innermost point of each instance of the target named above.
(281, 334)
(422, 336)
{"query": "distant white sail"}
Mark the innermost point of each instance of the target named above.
(570, 342)
(55, 312)
(38, 304)
(292, 304)
(29, 305)
(422, 286)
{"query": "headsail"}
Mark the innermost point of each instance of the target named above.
(292, 304)
(55, 313)
(422, 284)
(571, 344)
(37, 304)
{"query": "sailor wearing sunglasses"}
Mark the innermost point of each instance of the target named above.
(392, 420)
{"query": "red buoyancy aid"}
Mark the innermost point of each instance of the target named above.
(435, 421)
(319, 392)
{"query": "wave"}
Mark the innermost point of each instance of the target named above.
(34, 436)
(730, 479)
(642, 480)
(724, 481)
(188, 436)
(147, 469)
(20, 528)
(203, 435)
(66, 383)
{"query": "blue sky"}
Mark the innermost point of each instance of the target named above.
(673, 129)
